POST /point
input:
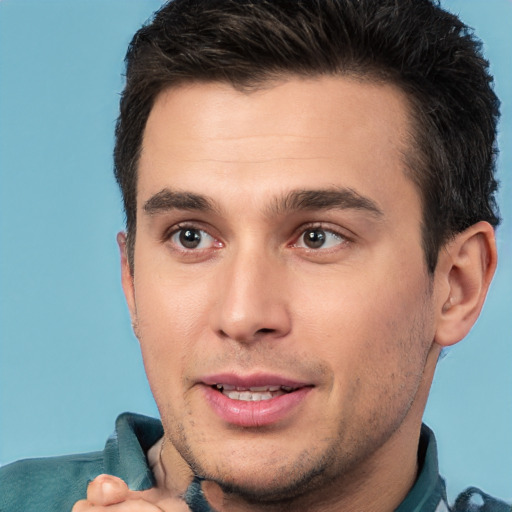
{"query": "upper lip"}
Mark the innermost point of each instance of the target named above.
(252, 380)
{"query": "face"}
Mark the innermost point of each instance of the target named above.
(280, 293)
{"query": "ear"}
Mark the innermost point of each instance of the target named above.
(127, 276)
(465, 268)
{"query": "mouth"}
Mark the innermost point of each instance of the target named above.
(253, 394)
(254, 401)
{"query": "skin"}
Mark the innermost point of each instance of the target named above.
(358, 319)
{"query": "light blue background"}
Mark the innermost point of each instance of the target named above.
(68, 360)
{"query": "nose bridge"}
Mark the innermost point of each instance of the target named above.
(252, 300)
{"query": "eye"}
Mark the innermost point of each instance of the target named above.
(319, 238)
(192, 238)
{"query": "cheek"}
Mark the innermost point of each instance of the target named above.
(170, 307)
(377, 352)
(170, 318)
(370, 323)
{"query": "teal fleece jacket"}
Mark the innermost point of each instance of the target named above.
(55, 484)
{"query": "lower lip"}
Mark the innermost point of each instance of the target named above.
(254, 414)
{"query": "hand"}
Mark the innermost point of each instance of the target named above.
(107, 493)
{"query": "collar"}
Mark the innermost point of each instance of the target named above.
(428, 494)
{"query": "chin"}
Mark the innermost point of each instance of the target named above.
(275, 482)
(271, 491)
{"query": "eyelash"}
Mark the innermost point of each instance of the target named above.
(342, 236)
(174, 230)
(299, 233)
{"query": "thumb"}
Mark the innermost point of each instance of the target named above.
(107, 490)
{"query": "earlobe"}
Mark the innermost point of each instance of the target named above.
(465, 269)
(126, 275)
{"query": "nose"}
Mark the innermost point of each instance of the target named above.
(252, 302)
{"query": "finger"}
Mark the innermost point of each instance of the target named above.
(107, 490)
(131, 505)
(82, 506)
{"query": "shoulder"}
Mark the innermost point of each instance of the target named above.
(474, 500)
(54, 483)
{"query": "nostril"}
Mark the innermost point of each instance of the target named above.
(265, 331)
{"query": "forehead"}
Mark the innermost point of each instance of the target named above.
(324, 132)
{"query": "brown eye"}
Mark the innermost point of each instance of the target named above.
(319, 238)
(314, 238)
(192, 238)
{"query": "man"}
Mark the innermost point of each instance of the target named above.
(310, 210)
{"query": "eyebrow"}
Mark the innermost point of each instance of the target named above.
(168, 199)
(338, 198)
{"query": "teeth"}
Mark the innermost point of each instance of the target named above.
(254, 393)
(225, 387)
(264, 388)
(249, 396)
